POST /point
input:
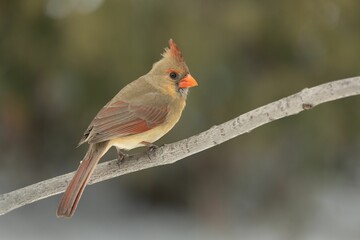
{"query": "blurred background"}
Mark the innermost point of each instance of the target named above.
(296, 178)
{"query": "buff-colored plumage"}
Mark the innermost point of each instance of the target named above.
(141, 113)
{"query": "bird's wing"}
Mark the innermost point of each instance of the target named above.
(120, 118)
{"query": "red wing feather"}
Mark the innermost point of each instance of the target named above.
(122, 119)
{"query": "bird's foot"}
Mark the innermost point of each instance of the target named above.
(151, 147)
(121, 156)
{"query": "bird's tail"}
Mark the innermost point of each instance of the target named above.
(77, 185)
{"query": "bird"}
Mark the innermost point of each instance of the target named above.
(139, 114)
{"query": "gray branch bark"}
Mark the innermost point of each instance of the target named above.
(170, 153)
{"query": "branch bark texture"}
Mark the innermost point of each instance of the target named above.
(170, 153)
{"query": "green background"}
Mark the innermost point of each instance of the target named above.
(295, 178)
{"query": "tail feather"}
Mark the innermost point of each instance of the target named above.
(77, 185)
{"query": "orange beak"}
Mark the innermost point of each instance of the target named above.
(187, 82)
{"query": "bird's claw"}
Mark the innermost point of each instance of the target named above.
(152, 147)
(121, 157)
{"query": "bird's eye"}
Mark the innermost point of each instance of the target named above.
(173, 75)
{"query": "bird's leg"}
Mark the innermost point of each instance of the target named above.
(121, 156)
(151, 146)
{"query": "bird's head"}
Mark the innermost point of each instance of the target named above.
(172, 70)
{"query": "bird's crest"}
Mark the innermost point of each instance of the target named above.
(173, 51)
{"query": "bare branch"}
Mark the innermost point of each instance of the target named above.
(170, 153)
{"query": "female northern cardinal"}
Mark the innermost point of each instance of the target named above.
(141, 113)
